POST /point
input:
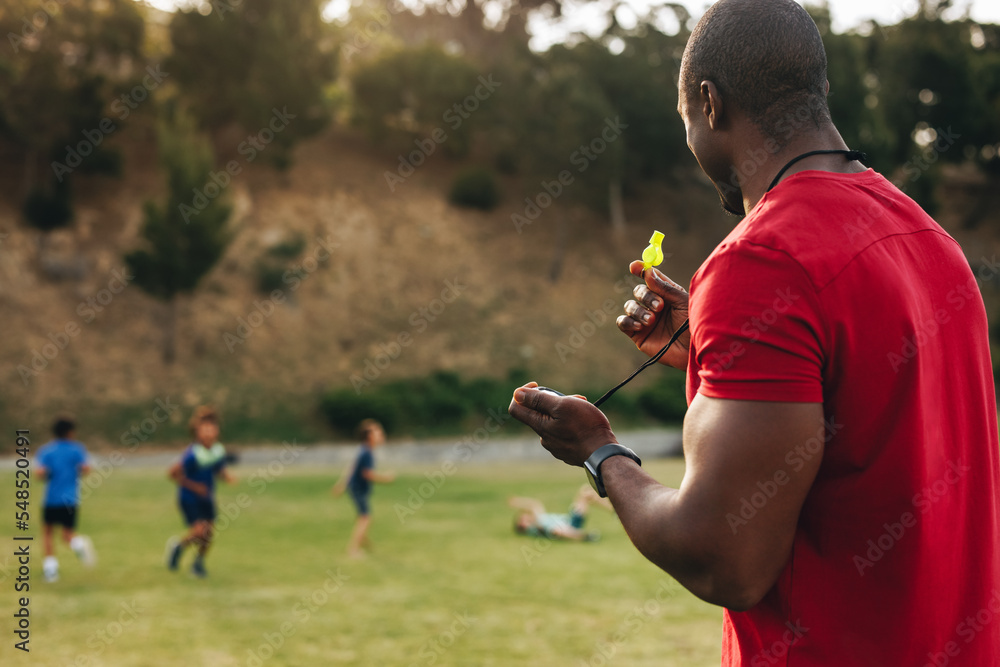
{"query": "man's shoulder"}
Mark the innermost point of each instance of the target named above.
(824, 221)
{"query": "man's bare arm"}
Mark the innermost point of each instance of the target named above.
(694, 533)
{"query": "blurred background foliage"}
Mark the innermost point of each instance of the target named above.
(396, 73)
(915, 96)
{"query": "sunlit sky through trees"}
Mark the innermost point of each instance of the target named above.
(590, 16)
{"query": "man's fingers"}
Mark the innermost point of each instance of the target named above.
(525, 415)
(660, 284)
(638, 312)
(533, 399)
(664, 286)
(628, 325)
(648, 298)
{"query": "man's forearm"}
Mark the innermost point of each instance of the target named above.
(655, 521)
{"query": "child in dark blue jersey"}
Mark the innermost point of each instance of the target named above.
(203, 461)
(358, 481)
(62, 461)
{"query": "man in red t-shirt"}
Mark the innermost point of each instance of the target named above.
(840, 496)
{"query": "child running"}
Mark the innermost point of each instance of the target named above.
(62, 461)
(195, 473)
(359, 482)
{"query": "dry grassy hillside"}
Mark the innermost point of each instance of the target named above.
(397, 253)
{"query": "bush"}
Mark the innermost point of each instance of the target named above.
(345, 408)
(438, 404)
(46, 210)
(667, 399)
(269, 277)
(104, 162)
(475, 188)
(273, 265)
(290, 248)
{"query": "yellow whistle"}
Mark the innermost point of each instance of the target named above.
(653, 254)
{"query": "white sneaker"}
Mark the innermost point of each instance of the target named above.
(50, 569)
(83, 547)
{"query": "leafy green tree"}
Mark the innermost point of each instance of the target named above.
(62, 67)
(179, 249)
(405, 94)
(242, 60)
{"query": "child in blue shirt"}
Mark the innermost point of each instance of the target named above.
(62, 461)
(195, 473)
(359, 483)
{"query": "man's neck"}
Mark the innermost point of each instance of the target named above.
(755, 185)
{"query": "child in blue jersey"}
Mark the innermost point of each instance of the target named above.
(203, 461)
(359, 482)
(62, 461)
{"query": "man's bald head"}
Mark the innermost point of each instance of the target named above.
(767, 59)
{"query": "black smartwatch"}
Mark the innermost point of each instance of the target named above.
(593, 464)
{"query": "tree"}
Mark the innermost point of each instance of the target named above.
(184, 237)
(62, 67)
(242, 60)
(406, 94)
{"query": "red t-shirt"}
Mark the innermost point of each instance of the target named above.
(838, 289)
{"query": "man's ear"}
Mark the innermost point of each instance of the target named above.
(711, 104)
(828, 88)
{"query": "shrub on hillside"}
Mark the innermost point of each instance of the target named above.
(47, 210)
(475, 188)
(439, 403)
(666, 400)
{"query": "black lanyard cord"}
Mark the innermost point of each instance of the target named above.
(649, 362)
(849, 154)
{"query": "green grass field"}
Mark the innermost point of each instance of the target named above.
(449, 585)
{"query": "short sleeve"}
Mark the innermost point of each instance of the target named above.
(757, 328)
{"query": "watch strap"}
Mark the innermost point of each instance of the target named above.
(600, 455)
